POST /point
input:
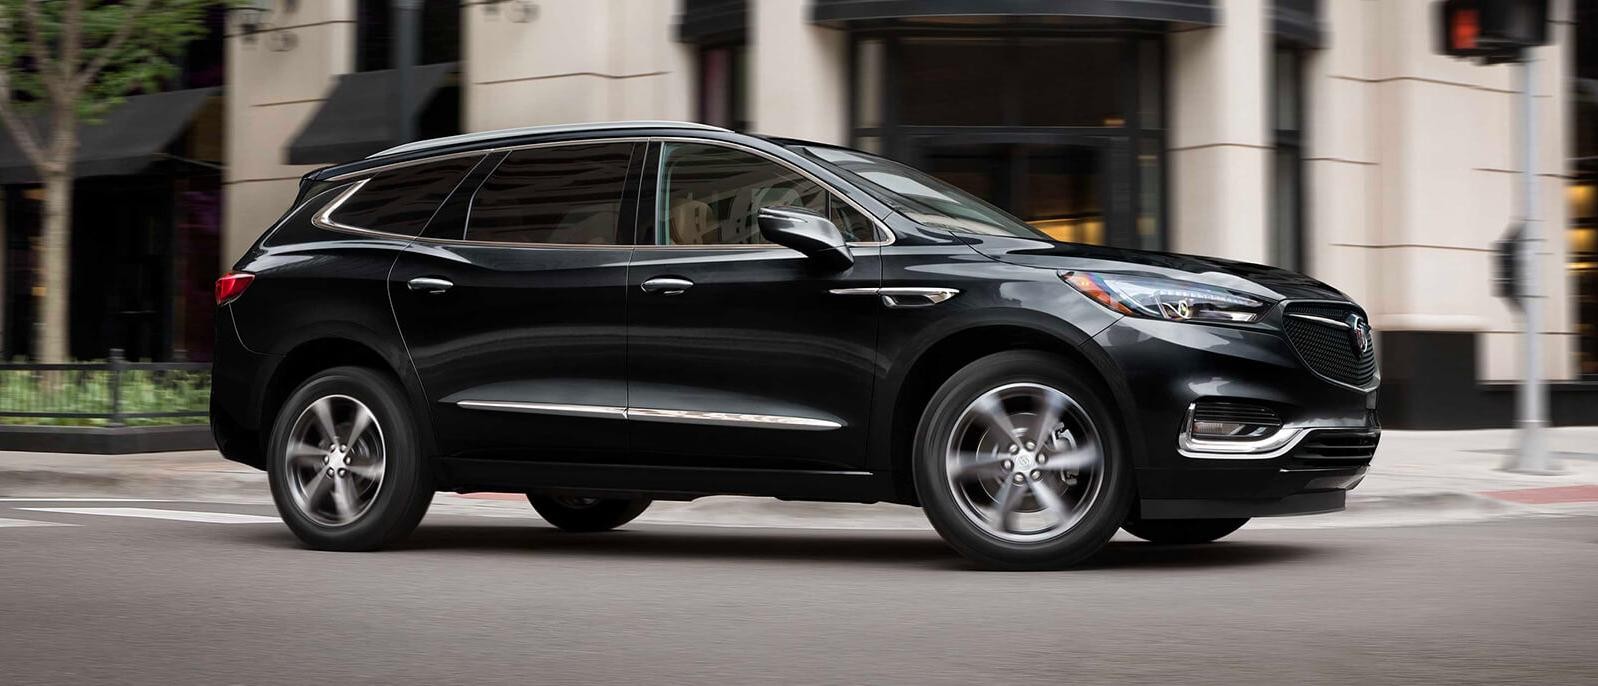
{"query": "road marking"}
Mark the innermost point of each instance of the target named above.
(85, 500)
(5, 523)
(149, 513)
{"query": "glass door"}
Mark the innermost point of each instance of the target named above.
(1059, 188)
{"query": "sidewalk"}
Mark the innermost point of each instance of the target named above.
(1418, 477)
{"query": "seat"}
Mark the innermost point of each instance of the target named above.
(693, 223)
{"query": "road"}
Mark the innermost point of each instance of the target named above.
(91, 598)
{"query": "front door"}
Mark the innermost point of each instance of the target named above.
(739, 354)
(514, 311)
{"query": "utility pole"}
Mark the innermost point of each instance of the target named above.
(403, 52)
(1500, 32)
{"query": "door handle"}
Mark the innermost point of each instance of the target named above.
(429, 284)
(666, 285)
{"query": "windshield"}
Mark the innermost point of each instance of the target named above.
(918, 195)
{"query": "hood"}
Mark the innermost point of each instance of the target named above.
(1244, 277)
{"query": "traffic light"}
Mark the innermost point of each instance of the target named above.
(1491, 30)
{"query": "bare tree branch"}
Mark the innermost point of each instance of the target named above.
(22, 132)
(109, 50)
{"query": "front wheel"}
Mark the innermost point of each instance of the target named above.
(1182, 531)
(1018, 463)
(586, 515)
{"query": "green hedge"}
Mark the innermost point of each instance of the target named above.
(89, 391)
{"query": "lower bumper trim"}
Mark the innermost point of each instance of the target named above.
(1315, 502)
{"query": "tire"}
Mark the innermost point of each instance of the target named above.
(587, 515)
(961, 463)
(1182, 531)
(380, 492)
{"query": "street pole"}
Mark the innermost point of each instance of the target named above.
(403, 51)
(1532, 399)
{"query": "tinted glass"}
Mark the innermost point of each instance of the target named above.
(954, 82)
(919, 196)
(401, 201)
(1087, 93)
(569, 194)
(712, 195)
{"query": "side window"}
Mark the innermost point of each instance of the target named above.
(401, 201)
(712, 195)
(567, 194)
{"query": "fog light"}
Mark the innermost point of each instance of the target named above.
(1228, 420)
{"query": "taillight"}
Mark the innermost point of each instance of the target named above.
(231, 286)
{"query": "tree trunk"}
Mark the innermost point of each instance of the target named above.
(50, 338)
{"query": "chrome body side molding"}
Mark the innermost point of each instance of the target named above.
(903, 296)
(651, 414)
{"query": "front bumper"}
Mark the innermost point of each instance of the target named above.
(1323, 449)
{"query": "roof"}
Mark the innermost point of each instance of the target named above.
(503, 134)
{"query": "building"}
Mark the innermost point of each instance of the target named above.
(1319, 135)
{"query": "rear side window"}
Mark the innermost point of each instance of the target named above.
(569, 194)
(400, 201)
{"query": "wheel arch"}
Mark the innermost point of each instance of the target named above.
(306, 358)
(940, 356)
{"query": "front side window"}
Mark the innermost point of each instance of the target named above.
(402, 200)
(568, 194)
(712, 195)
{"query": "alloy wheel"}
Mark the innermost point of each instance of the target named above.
(335, 458)
(1024, 462)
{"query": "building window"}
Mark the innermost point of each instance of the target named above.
(1583, 192)
(1077, 152)
(1287, 162)
(439, 23)
(723, 90)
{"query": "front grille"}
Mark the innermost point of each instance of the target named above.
(1329, 348)
(1337, 448)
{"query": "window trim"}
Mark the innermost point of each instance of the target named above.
(323, 218)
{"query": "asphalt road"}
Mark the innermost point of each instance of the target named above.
(132, 600)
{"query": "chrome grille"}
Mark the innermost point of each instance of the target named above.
(1327, 346)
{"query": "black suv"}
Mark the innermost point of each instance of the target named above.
(603, 315)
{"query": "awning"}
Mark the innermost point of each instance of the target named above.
(1297, 21)
(845, 12)
(124, 141)
(713, 21)
(355, 120)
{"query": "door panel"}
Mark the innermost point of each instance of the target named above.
(754, 362)
(519, 339)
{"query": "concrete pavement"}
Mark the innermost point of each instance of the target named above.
(1418, 477)
(187, 595)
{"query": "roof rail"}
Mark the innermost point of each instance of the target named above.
(481, 136)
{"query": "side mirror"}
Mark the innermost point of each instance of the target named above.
(809, 233)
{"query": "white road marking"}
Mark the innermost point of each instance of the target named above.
(5, 523)
(150, 513)
(84, 500)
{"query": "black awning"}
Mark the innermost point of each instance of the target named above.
(355, 120)
(1297, 21)
(124, 141)
(844, 12)
(713, 21)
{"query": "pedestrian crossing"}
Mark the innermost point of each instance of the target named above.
(71, 512)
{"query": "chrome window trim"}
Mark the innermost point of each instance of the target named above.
(324, 217)
(321, 219)
(653, 414)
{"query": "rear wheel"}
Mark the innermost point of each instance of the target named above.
(1018, 463)
(346, 468)
(1182, 531)
(585, 515)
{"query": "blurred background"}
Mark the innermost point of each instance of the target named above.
(1324, 136)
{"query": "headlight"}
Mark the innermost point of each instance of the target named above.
(1143, 296)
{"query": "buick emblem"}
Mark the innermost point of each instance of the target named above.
(1359, 333)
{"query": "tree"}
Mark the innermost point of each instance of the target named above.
(67, 61)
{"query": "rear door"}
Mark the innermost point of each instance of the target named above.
(512, 305)
(752, 360)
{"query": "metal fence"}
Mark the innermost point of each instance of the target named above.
(114, 392)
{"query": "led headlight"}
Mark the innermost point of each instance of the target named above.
(1157, 298)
